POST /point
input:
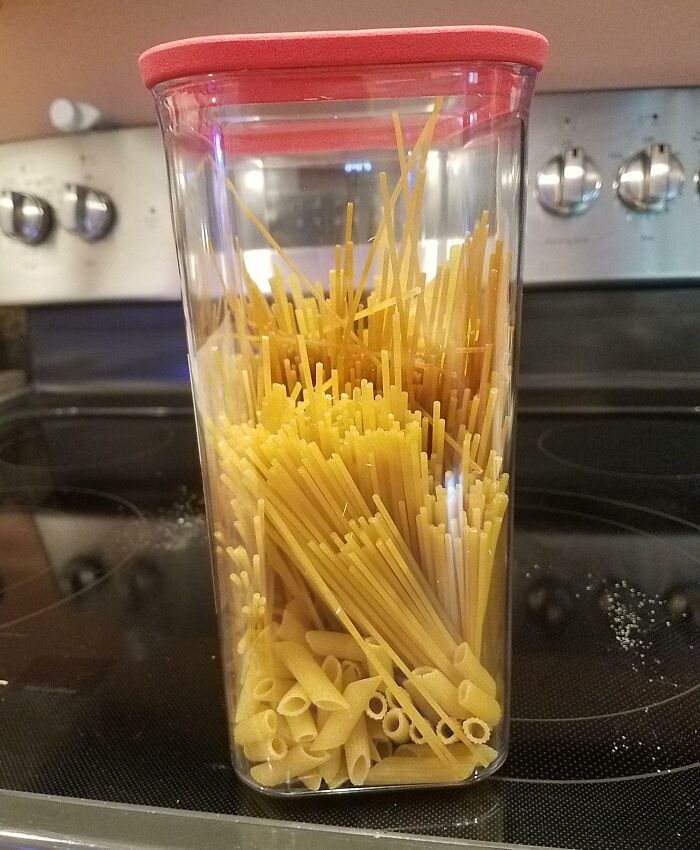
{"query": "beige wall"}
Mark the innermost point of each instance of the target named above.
(87, 49)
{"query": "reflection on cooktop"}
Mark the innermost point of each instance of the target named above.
(648, 448)
(109, 674)
(57, 544)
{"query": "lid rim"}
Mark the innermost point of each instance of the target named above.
(351, 48)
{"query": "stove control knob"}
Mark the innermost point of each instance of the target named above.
(650, 179)
(24, 217)
(569, 183)
(86, 212)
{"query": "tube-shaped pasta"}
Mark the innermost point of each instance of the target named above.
(290, 628)
(351, 672)
(484, 755)
(294, 702)
(374, 727)
(378, 652)
(373, 751)
(477, 703)
(272, 750)
(312, 780)
(399, 770)
(396, 725)
(270, 690)
(330, 768)
(431, 681)
(447, 731)
(339, 779)
(376, 706)
(339, 724)
(283, 730)
(331, 667)
(476, 730)
(298, 762)
(246, 704)
(302, 727)
(300, 611)
(357, 757)
(416, 736)
(340, 644)
(258, 727)
(469, 667)
(308, 673)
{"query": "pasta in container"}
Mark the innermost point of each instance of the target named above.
(347, 210)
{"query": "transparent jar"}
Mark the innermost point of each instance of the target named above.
(348, 213)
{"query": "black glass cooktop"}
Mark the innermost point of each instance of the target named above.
(109, 671)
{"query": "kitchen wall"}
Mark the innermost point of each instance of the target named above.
(87, 49)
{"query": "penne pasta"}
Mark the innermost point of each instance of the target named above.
(302, 727)
(426, 680)
(271, 691)
(258, 727)
(469, 667)
(376, 706)
(312, 780)
(339, 724)
(399, 770)
(448, 731)
(340, 644)
(294, 702)
(308, 673)
(298, 762)
(357, 754)
(476, 730)
(273, 749)
(396, 725)
(290, 628)
(329, 769)
(479, 704)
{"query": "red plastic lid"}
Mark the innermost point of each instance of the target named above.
(268, 51)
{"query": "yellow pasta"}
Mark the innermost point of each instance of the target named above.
(357, 753)
(290, 628)
(339, 644)
(302, 727)
(270, 690)
(399, 770)
(416, 735)
(313, 780)
(476, 730)
(479, 704)
(468, 667)
(357, 437)
(438, 686)
(330, 769)
(339, 724)
(258, 727)
(247, 704)
(294, 702)
(308, 673)
(298, 762)
(396, 726)
(448, 731)
(273, 749)
(381, 655)
(376, 706)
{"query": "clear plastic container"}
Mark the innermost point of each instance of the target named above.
(348, 214)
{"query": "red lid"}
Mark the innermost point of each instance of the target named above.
(267, 51)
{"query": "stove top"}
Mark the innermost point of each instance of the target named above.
(109, 673)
